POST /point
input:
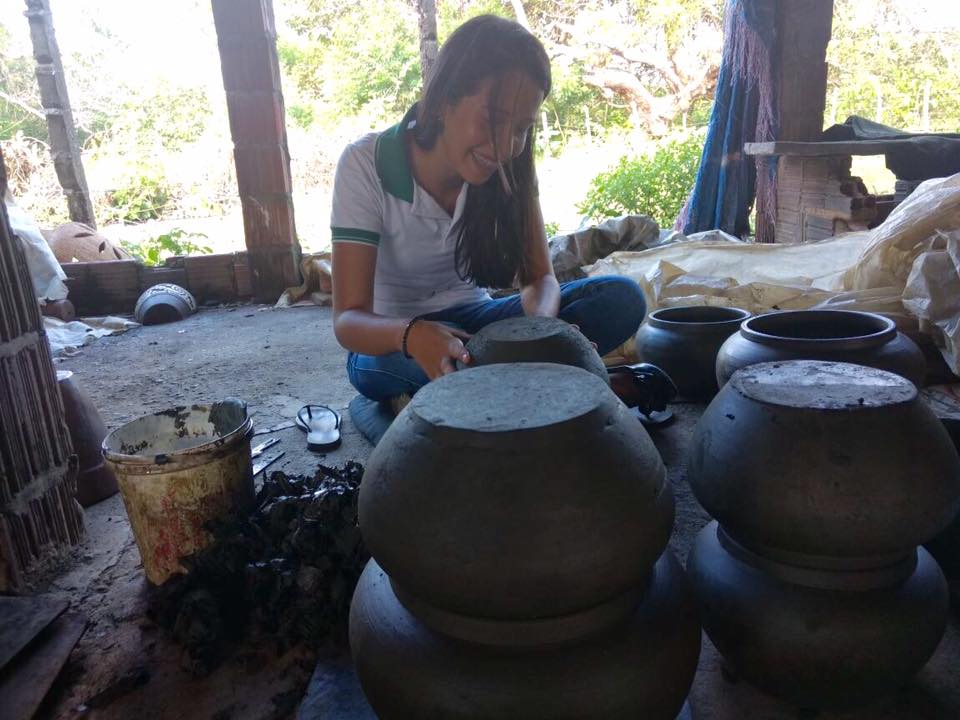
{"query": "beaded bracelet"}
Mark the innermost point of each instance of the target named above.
(406, 334)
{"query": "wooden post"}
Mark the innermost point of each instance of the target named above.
(800, 71)
(246, 35)
(56, 105)
(38, 513)
(427, 21)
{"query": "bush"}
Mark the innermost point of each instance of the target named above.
(175, 242)
(142, 194)
(656, 185)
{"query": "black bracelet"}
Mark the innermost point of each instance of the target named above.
(406, 334)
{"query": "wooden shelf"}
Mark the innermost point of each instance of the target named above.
(820, 149)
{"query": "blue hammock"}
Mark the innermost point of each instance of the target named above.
(743, 111)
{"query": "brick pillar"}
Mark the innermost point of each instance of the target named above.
(246, 35)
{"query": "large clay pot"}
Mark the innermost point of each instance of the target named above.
(684, 342)
(95, 480)
(534, 339)
(516, 491)
(825, 464)
(837, 335)
(817, 647)
(640, 665)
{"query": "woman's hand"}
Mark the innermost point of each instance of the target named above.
(436, 347)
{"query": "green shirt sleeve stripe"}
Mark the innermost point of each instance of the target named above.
(355, 235)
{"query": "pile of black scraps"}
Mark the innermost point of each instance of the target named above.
(286, 573)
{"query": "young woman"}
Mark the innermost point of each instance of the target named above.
(430, 213)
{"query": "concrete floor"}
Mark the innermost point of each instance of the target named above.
(278, 360)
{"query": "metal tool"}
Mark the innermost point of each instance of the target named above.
(258, 450)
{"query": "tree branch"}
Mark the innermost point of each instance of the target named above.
(22, 105)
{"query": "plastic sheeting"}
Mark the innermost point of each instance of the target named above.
(908, 268)
(67, 338)
(45, 271)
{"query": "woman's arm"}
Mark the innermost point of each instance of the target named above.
(356, 326)
(434, 346)
(539, 291)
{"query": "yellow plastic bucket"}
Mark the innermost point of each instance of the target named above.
(177, 470)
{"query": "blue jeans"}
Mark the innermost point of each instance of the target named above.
(608, 310)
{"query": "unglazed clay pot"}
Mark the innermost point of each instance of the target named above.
(684, 342)
(824, 464)
(636, 664)
(837, 335)
(95, 480)
(815, 645)
(516, 491)
(534, 339)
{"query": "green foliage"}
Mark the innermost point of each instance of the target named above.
(656, 185)
(17, 80)
(164, 118)
(451, 15)
(175, 242)
(354, 56)
(551, 229)
(883, 61)
(142, 195)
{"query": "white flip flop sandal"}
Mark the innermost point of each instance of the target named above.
(322, 425)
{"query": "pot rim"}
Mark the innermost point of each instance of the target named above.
(660, 318)
(181, 459)
(885, 330)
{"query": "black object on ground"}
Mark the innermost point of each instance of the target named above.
(285, 573)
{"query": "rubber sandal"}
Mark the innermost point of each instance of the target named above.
(322, 425)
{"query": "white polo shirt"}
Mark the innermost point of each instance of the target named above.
(377, 202)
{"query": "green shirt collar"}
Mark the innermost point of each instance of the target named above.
(391, 159)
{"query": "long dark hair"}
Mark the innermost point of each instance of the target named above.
(496, 219)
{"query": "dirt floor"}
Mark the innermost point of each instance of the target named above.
(278, 360)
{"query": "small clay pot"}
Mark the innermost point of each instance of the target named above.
(836, 335)
(684, 342)
(516, 491)
(642, 666)
(534, 339)
(824, 464)
(95, 480)
(164, 303)
(816, 647)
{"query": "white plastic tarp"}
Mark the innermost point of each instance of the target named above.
(907, 267)
(45, 271)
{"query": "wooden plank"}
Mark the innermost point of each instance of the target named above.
(22, 619)
(64, 145)
(820, 149)
(25, 683)
(803, 32)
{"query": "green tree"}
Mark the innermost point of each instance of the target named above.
(354, 55)
(887, 66)
(20, 110)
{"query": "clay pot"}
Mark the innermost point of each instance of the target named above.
(164, 303)
(824, 464)
(516, 491)
(816, 647)
(534, 339)
(837, 335)
(684, 342)
(640, 665)
(95, 480)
